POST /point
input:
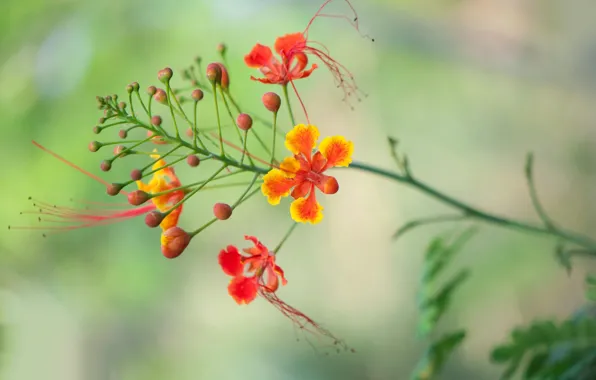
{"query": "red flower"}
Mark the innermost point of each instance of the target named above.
(262, 274)
(255, 273)
(293, 62)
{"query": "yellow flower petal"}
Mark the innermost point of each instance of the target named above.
(305, 210)
(337, 150)
(302, 139)
(290, 166)
(276, 184)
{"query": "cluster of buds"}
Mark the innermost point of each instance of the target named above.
(149, 123)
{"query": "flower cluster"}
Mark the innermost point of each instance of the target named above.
(151, 126)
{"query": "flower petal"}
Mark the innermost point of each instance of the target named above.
(272, 282)
(243, 289)
(276, 184)
(260, 55)
(172, 219)
(230, 261)
(307, 209)
(290, 166)
(302, 189)
(280, 273)
(290, 44)
(337, 150)
(302, 139)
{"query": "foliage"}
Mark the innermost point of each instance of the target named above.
(552, 350)
(435, 299)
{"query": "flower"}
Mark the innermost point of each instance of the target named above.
(262, 274)
(164, 180)
(293, 49)
(254, 272)
(293, 61)
(298, 175)
(96, 213)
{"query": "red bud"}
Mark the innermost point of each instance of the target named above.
(105, 165)
(161, 96)
(94, 146)
(214, 73)
(244, 121)
(154, 218)
(222, 211)
(193, 161)
(164, 75)
(197, 94)
(151, 90)
(138, 197)
(271, 101)
(174, 241)
(136, 175)
(114, 189)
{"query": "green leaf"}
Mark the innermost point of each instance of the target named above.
(503, 354)
(437, 354)
(536, 364)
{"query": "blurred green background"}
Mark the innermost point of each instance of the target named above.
(468, 87)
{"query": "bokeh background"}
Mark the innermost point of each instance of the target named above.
(468, 87)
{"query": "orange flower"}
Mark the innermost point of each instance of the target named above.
(293, 61)
(68, 218)
(164, 180)
(298, 175)
(262, 272)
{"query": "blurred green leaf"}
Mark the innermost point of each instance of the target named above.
(437, 354)
(556, 350)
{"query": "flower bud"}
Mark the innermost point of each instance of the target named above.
(329, 185)
(244, 121)
(225, 77)
(271, 101)
(213, 73)
(135, 86)
(97, 129)
(151, 90)
(193, 161)
(138, 197)
(94, 146)
(222, 48)
(119, 150)
(122, 105)
(189, 132)
(105, 165)
(122, 133)
(164, 75)
(101, 120)
(157, 139)
(154, 218)
(174, 241)
(161, 96)
(129, 88)
(222, 211)
(136, 175)
(114, 189)
(197, 94)
(156, 120)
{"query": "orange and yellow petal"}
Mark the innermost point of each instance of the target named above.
(276, 184)
(171, 220)
(230, 261)
(272, 281)
(290, 43)
(337, 150)
(290, 166)
(302, 139)
(243, 289)
(260, 55)
(280, 273)
(305, 73)
(307, 210)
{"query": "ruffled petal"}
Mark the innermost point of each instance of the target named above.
(230, 261)
(261, 249)
(305, 73)
(302, 139)
(276, 184)
(265, 80)
(243, 289)
(290, 166)
(305, 210)
(337, 150)
(260, 55)
(272, 281)
(290, 44)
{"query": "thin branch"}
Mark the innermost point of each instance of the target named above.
(529, 171)
(425, 221)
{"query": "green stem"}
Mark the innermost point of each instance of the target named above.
(273, 143)
(195, 129)
(288, 105)
(474, 213)
(286, 236)
(254, 179)
(221, 144)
